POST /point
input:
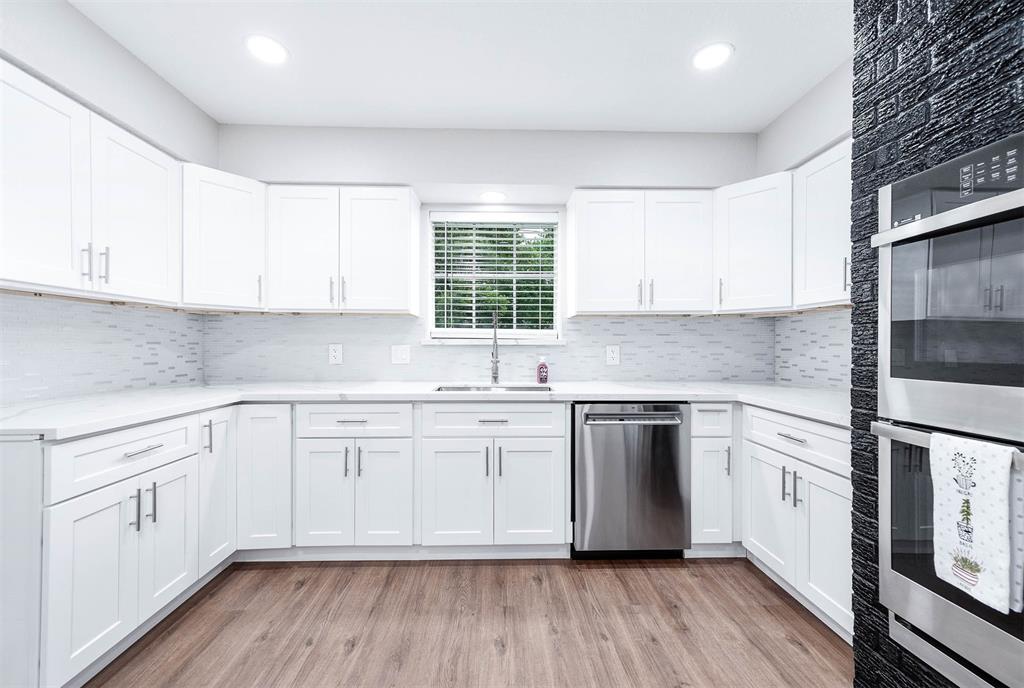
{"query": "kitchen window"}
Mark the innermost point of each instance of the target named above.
(487, 262)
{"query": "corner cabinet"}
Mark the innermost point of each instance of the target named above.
(224, 239)
(821, 229)
(264, 456)
(634, 251)
(753, 244)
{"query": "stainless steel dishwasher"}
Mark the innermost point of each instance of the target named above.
(631, 477)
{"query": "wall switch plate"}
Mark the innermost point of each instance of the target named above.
(401, 354)
(611, 354)
(334, 354)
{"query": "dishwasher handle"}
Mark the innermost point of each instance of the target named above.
(632, 419)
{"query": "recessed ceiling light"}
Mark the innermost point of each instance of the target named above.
(492, 197)
(714, 55)
(266, 49)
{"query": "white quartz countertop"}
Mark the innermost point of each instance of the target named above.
(60, 419)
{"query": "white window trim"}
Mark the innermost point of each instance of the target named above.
(475, 213)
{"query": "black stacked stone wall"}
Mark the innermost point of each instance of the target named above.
(933, 79)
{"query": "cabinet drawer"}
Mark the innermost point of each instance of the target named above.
(825, 446)
(711, 420)
(73, 468)
(493, 420)
(353, 420)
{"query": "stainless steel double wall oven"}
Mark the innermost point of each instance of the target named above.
(951, 360)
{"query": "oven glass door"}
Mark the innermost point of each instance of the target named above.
(957, 306)
(911, 543)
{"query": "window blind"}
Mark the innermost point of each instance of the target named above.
(482, 267)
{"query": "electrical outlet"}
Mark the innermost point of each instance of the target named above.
(400, 354)
(334, 354)
(611, 354)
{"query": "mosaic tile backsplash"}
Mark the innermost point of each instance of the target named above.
(53, 347)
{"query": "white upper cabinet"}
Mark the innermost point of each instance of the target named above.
(753, 244)
(379, 249)
(677, 250)
(44, 184)
(136, 216)
(303, 235)
(606, 247)
(821, 229)
(224, 239)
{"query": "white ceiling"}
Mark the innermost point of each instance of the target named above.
(613, 66)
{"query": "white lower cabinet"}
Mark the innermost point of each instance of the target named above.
(482, 491)
(711, 487)
(263, 441)
(112, 558)
(353, 492)
(770, 517)
(529, 491)
(217, 487)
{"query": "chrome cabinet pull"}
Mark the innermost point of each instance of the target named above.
(796, 500)
(105, 255)
(492, 420)
(988, 299)
(640, 293)
(721, 286)
(331, 292)
(152, 514)
(209, 428)
(343, 297)
(785, 495)
(728, 460)
(151, 447)
(999, 301)
(259, 289)
(359, 462)
(352, 420)
(801, 440)
(138, 510)
(499, 461)
(346, 462)
(846, 265)
(487, 462)
(87, 261)
(650, 296)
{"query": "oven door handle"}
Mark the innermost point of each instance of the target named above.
(919, 438)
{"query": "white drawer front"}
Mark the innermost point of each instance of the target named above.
(353, 420)
(711, 420)
(73, 468)
(826, 446)
(493, 420)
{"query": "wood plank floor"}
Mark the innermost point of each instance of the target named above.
(506, 623)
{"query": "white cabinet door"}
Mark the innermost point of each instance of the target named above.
(325, 491)
(607, 247)
(821, 228)
(529, 491)
(753, 244)
(383, 492)
(264, 437)
(217, 482)
(91, 578)
(711, 490)
(824, 568)
(224, 239)
(770, 516)
(44, 184)
(378, 248)
(168, 549)
(458, 495)
(678, 250)
(136, 216)
(303, 239)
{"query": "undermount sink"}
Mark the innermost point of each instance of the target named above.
(493, 388)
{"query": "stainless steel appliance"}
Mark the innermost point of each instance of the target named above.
(951, 360)
(951, 294)
(631, 469)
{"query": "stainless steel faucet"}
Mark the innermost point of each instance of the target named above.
(494, 349)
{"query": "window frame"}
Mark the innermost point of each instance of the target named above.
(504, 214)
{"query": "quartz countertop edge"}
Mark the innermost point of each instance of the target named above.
(70, 417)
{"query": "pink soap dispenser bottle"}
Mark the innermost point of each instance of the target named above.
(542, 372)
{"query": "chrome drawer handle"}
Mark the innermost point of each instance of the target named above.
(138, 509)
(352, 420)
(785, 495)
(151, 447)
(492, 420)
(801, 440)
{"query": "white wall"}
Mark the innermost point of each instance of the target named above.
(820, 118)
(54, 41)
(553, 158)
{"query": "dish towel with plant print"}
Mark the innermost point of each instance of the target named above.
(971, 516)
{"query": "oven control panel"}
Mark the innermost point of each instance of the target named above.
(990, 171)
